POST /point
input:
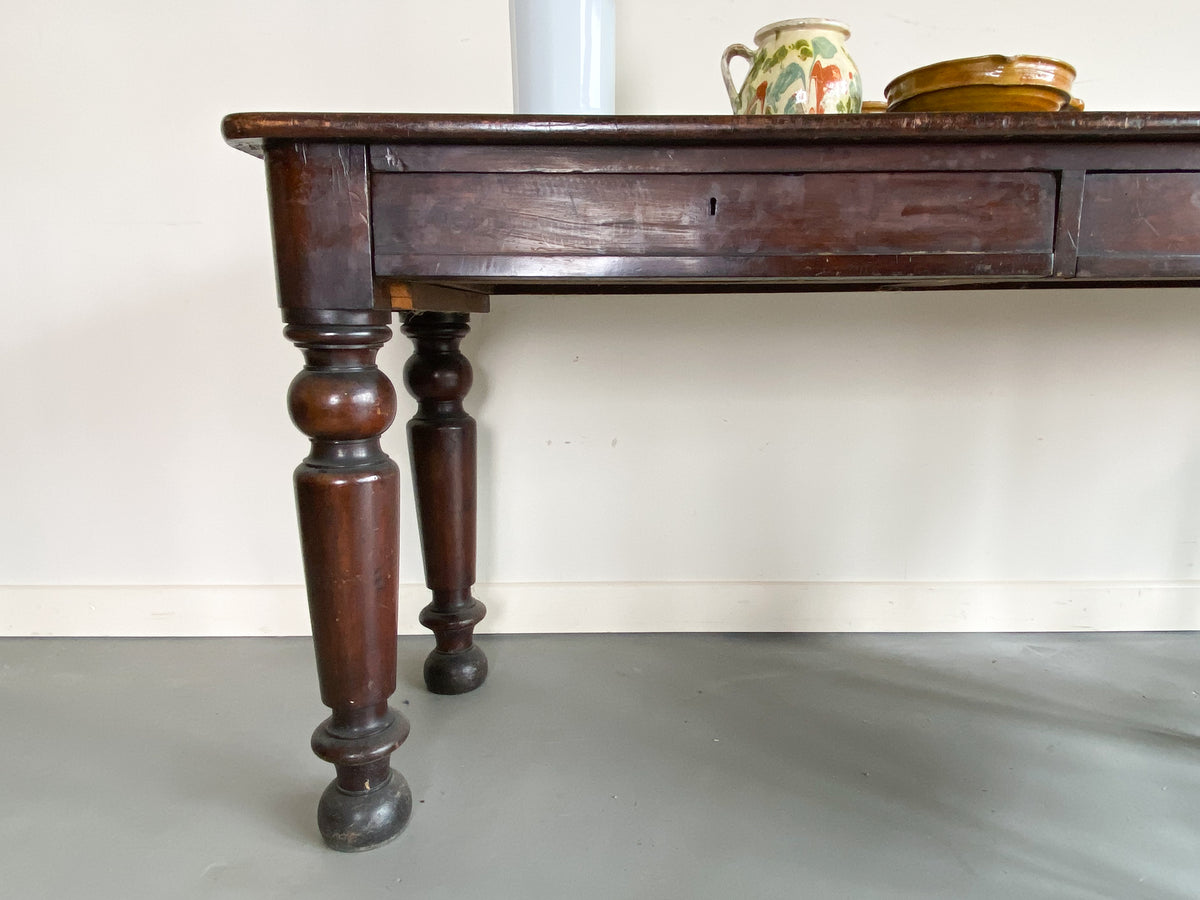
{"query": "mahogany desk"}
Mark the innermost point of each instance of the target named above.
(431, 215)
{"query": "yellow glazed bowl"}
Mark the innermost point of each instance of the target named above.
(984, 84)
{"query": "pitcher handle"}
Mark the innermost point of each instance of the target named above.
(730, 52)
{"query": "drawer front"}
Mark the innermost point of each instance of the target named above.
(630, 226)
(1135, 224)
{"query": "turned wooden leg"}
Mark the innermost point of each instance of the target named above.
(441, 440)
(347, 497)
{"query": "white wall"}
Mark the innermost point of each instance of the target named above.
(1000, 459)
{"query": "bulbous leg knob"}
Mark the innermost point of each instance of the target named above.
(361, 820)
(455, 673)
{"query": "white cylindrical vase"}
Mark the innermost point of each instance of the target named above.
(563, 56)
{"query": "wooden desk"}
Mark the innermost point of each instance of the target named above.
(432, 215)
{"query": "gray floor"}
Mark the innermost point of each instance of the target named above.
(652, 766)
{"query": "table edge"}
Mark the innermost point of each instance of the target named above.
(250, 131)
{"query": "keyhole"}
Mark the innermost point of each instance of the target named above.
(712, 206)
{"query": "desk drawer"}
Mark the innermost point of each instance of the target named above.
(1139, 223)
(863, 224)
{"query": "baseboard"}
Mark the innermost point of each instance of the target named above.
(233, 610)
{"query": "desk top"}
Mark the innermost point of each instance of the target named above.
(249, 131)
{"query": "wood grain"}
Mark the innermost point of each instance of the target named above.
(320, 208)
(447, 225)
(798, 156)
(417, 297)
(1139, 222)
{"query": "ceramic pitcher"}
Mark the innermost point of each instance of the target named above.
(798, 66)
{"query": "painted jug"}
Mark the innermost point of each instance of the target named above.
(798, 66)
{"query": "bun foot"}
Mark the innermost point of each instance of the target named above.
(360, 820)
(455, 673)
